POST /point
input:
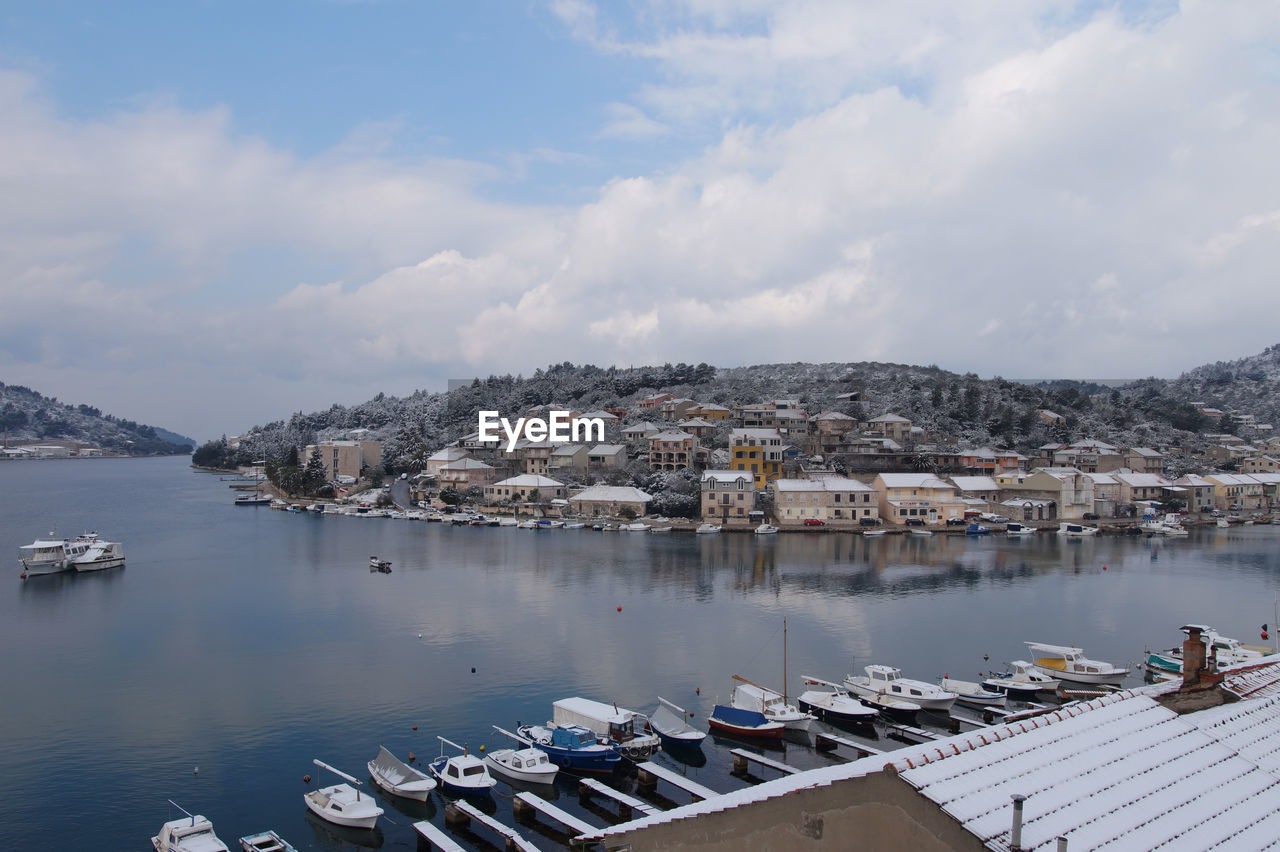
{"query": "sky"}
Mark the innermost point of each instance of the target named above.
(214, 214)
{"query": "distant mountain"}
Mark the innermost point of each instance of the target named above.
(26, 415)
(955, 410)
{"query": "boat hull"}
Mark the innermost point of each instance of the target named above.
(1113, 678)
(35, 569)
(316, 800)
(832, 711)
(497, 764)
(744, 723)
(1016, 690)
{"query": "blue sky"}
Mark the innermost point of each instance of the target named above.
(250, 209)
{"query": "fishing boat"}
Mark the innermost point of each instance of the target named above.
(1225, 650)
(707, 529)
(888, 681)
(977, 529)
(381, 565)
(874, 532)
(637, 527)
(572, 747)
(669, 723)
(464, 773)
(920, 531)
(1013, 528)
(193, 833)
(529, 764)
(613, 724)
(835, 704)
(399, 778)
(893, 709)
(1022, 682)
(99, 556)
(576, 525)
(766, 529)
(1068, 663)
(744, 723)
(51, 555)
(660, 530)
(752, 696)
(1074, 530)
(266, 841)
(342, 804)
(973, 694)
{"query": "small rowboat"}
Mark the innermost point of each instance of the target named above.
(744, 723)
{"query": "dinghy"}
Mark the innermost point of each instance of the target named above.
(399, 778)
(342, 804)
(528, 764)
(668, 721)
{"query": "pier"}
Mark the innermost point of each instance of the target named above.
(830, 742)
(626, 804)
(650, 773)
(526, 806)
(742, 759)
(461, 812)
(435, 838)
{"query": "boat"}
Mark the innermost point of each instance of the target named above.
(668, 721)
(707, 529)
(766, 529)
(1016, 529)
(257, 498)
(51, 556)
(1068, 663)
(977, 529)
(1223, 524)
(100, 556)
(888, 681)
(1074, 530)
(527, 525)
(381, 565)
(529, 764)
(751, 696)
(342, 804)
(744, 723)
(506, 522)
(576, 525)
(636, 527)
(464, 773)
(874, 532)
(193, 833)
(1225, 650)
(572, 747)
(266, 841)
(835, 704)
(1022, 682)
(616, 725)
(893, 709)
(973, 694)
(660, 530)
(399, 778)
(920, 531)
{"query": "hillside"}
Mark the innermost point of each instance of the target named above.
(954, 409)
(26, 415)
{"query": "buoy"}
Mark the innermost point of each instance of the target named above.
(690, 714)
(23, 575)
(196, 771)
(412, 757)
(1104, 567)
(415, 727)
(1264, 634)
(419, 635)
(306, 779)
(473, 669)
(985, 658)
(482, 748)
(697, 690)
(619, 609)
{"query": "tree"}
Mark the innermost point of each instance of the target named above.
(627, 513)
(314, 476)
(450, 496)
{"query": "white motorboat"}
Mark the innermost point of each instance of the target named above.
(1225, 651)
(266, 841)
(528, 764)
(1016, 529)
(872, 533)
(462, 773)
(193, 833)
(50, 556)
(888, 681)
(834, 704)
(707, 529)
(1074, 530)
(660, 530)
(920, 531)
(612, 723)
(895, 709)
(527, 525)
(766, 529)
(382, 565)
(99, 556)
(637, 527)
(1067, 662)
(973, 694)
(342, 804)
(507, 522)
(1022, 681)
(399, 778)
(669, 723)
(576, 525)
(751, 696)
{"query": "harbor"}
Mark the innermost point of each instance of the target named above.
(239, 644)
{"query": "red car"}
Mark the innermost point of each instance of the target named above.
(814, 522)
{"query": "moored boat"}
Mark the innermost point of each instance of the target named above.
(669, 723)
(744, 723)
(51, 556)
(615, 724)
(1067, 662)
(342, 804)
(399, 778)
(1225, 650)
(920, 531)
(572, 747)
(1022, 682)
(529, 764)
(1013, 528)
(266, 841)
(766, 529)
(99, 556)
(888, 681)
(834, 704)
(707, 529)
(192, 833)
(1074, 530)
(973, 694)
(871, 533)
(893, 709)
(464, 774)
(752, 696)
(977, 529)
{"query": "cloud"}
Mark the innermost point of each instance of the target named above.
(628, 122)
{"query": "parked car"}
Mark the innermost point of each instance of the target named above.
(1234, 507)
(957, 522)
(915, 522)
(869, 522)
(993, 518)
(814, 522)
(1090, 516)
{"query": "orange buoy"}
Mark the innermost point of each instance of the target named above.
(619, 608)
(411, 756)
(306, 779)
(482, 748)
(1104, 567)
(697, 690)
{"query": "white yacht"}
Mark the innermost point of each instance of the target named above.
(51, 556)
(888, 681)
(100, 556)
(750, 696)
(766, 529)
(192, 833)
(707, 529)
(1074, 530)
(1066, 662)
(342, 804)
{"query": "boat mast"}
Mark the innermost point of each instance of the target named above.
(784, 659)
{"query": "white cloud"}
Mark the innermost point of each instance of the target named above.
(628, 122)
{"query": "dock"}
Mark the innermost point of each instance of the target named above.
(461, 812)
(435, 838)
(528, 805)
(626, 804)
(908, 734)
(830, 742)
(742, 759)
(650, 773)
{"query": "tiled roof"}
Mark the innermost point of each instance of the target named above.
(611, 493)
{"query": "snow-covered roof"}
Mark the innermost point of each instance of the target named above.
(975, 483)
(448, 454)
(914, 480)
(727, 475)
(833, 415)
(1060, 472)
(1193, 479)
(825, 483)
(671, 435)
(1102, 478)
(612, 493)
(711, 406)
(598, 413)
(467, 464)
(1143, 480)
(888, 418)
(607, 450)
(641, 428)
(568, 450)
(1145, 452)
(529, 480)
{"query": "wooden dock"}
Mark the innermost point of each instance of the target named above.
(436, 839)
(908, 734)
(626, 804)
(461, 812)
(742, 759)
(528, 805)
(829, 742)
(650, 773)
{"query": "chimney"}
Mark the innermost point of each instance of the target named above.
(1015, 834)
(1193, 656)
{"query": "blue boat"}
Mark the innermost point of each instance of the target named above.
(572, 747)
(976, 529)
(744, 723)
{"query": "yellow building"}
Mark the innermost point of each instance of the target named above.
(756, 450)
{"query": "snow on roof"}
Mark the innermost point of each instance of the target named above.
(1145, 452)
(889, 418)
(1101, 478)
(914, 480)
(825, 483)
(568, 450)
(975, 483)
(727, 475)
(670, 435)
(643, 426)
(529, 480)
(467, 464)
(598, 413)
(711, 406)
(1231, 479)
(1143, 480)
(448, 454)
(1059, 472)
(607, 449)
(612, 493)
(833, 415)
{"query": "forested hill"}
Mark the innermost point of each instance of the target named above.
(961, 409)
(26, 415)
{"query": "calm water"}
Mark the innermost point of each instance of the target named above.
(246, 641)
